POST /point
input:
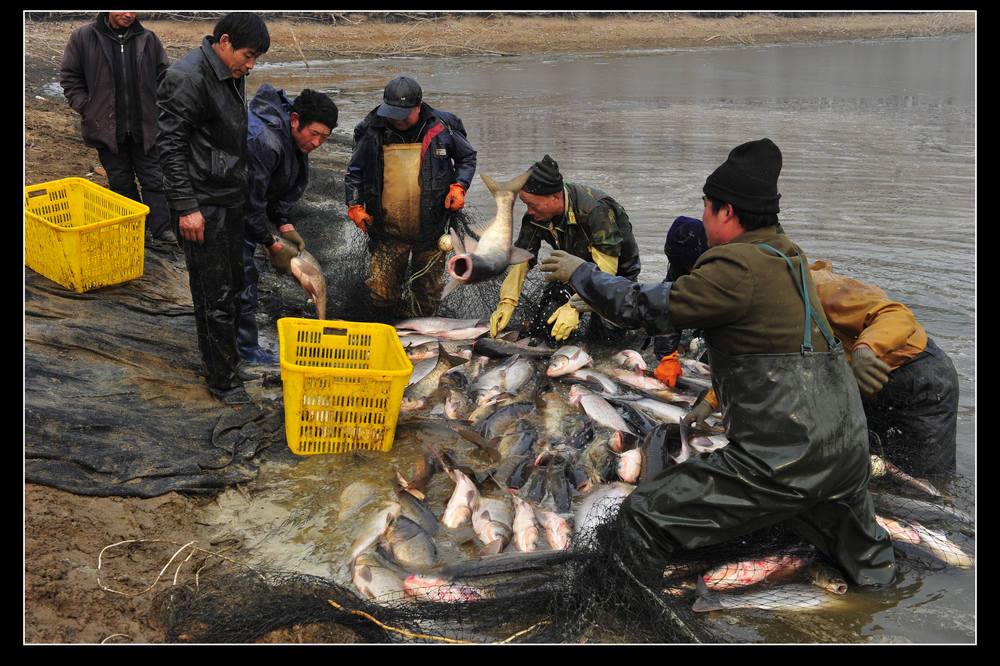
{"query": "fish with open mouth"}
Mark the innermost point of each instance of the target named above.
(478, 261)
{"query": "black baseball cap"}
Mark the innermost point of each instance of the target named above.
(401, 95)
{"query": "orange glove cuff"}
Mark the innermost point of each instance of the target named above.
(668, 370)
(711, 399)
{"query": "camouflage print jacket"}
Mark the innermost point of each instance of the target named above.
(592, 220)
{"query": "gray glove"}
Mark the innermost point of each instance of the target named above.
(870, 371)
(701, 411)
(560, 265)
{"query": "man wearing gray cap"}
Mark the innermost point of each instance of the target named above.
(412, 164)
(798, 444)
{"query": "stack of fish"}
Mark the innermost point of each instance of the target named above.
(560, 440)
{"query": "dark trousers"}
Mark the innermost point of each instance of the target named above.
(215, 271)
(132, 165)
(246, 330)
(915, 414)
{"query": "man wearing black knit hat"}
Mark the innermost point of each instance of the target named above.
(583, 221)
(798, 445)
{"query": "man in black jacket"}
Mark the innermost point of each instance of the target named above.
(109, 73)
(203, 145)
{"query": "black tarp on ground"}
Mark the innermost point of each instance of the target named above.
(113, 402)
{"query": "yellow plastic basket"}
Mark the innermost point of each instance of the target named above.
(81, 235)
(343, 384)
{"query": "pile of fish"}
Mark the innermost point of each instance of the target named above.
(558, 440)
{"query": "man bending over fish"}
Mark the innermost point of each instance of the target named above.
(580, 220)
(411, 166)
(798, 445)
(281, 134)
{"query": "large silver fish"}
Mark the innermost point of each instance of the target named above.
(409, 544)
(377, 579)
(598, 409)
(477, 261)
(598, 506)
(790, 597)
(309, 273)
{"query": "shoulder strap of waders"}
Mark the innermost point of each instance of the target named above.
(431, 133)
(800, 282)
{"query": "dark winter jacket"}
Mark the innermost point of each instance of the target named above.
(738, 293)
(448, 158)
(202, 132)
(111, 80)
(277, 170)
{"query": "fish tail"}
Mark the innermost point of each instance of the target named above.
(513, 185)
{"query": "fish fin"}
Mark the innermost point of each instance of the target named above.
(519, 256)
(706, 600)
(456, 242)
(494, 547)
(450, 287)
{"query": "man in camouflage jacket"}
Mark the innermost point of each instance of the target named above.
(578, 219)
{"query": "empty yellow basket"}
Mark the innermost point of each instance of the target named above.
(83, 236)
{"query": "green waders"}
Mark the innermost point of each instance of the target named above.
(797, 452)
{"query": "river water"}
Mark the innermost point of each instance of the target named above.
(879, 177)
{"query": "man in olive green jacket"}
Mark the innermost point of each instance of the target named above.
(798, 445)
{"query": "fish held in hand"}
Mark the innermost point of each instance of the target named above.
(478, 261)
(309, 273)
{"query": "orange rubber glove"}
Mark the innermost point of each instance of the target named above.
(360, 217)
(668, 370)
(456, 197)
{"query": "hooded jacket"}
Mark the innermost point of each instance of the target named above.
(107, 77)
(202, 135)
(277, 170)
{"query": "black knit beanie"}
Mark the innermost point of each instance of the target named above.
(748, 179)
(545, 178)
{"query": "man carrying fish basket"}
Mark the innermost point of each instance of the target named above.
(281, 134)
(798, 445)
(577, 219)
(202, 142)
(411, 166)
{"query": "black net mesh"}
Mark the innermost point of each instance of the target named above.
(592, 592)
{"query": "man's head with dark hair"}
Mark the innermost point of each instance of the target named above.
(749, 221)
(246, 30)
(313, 117)
(315, 107)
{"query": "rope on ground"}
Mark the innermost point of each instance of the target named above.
(441, 639)
(190, 545)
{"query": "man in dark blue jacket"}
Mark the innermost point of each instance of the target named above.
(412, 164)
(281, 134)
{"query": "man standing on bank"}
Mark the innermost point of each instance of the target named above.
(203, 146)
(109, 74)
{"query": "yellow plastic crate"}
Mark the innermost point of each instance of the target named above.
(81, 235)
(343, 384)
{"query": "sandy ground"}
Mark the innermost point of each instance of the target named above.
(67, 598)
